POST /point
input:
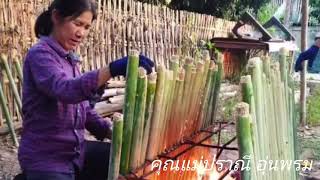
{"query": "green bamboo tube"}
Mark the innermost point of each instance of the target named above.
(188, 66)
(153, 143)
(280, 112)
(130, 97)
(167, 110)
(248, 97)
(284, 71)
(179, 110)
(217, 85)
(255, 71)
(266, 64)
(115, 153)
(244, 137)
(138, 119)
(188, 108)
(206, 94)
(196, 95)
(208, 115)
(18, 68)
(152, 80)
(4, 61)
(7, 116)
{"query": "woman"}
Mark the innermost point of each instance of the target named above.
(56, 97)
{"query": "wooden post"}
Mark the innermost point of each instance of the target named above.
(303, 83)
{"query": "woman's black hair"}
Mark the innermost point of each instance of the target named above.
(65, 8)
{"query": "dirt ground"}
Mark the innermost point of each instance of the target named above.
(9, 165)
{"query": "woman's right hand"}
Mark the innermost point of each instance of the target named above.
(119, 67)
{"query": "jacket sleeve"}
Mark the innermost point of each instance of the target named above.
(50, 78)
(97, 125)
(306, 55)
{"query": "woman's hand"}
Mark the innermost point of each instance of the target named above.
(119, 67)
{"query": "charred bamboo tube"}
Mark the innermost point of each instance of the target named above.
(244, 130)
(4, 60)
(115, 153)
(7, 116)
(130, 98)
(153, 142)
(152, 80)
(138, 120)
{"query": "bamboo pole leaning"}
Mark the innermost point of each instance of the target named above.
(8, 117)
(16, 95)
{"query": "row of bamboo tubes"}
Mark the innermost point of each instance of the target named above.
(167, 106)
(266, 124)
(156, 31)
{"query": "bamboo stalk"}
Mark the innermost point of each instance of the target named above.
(7, 116)
(115, 153)
(148, 114)
(138, 120)
(130, 98)
(4, 60)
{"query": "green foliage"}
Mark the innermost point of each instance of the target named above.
(228, 109)
(227, 9)
(265, 12)
(314, 12)
(313, 104)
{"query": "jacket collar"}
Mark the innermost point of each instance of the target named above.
(53, 43)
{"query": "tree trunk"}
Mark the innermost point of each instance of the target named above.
(288, 14)
(304, 32)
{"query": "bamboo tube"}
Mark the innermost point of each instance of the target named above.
(178, 118)
(208, 115)
(7, 116)
(254, 65)
(115, 153)
(244, 137)
(138, 119)
(130, 98)
(4, 60)
(217, 85)
(206, 96)
(153, 143)
(148, 113)
(166, 111)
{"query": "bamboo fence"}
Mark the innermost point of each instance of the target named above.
(268, 89)
(156, 31)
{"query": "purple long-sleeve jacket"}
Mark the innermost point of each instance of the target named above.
(56, 110)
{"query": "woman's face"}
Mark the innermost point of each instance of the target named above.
(71, 31)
